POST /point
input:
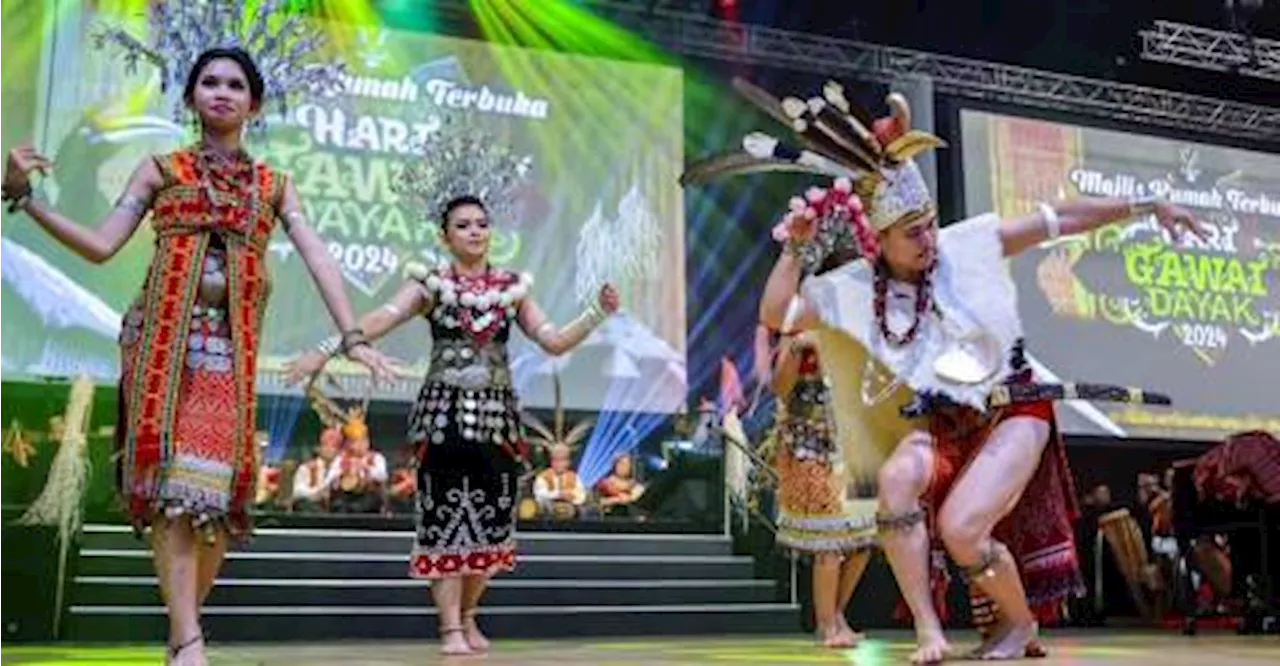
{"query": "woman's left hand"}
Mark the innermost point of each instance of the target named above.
(306, 364)
(382, 367)
(609, 299)
(1177, 220)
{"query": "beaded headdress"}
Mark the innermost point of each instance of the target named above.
(279, 43)
(832, 141)
(461, 159)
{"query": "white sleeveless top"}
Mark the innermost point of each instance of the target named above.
(973, 292)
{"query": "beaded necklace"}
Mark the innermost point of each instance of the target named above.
(229, 185)
(477, 305)
(924, 302)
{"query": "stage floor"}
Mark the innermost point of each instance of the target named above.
(1094, 648)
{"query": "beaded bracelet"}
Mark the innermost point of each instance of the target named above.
(17, 200)
(352, 339)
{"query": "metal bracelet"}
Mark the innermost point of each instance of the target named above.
(595, 315)
(330, 345)
(1052, 225)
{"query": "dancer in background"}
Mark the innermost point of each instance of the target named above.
(816, 516)
(466, 421)
(189, 342)
(937, 313)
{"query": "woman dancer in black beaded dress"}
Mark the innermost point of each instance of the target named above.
(465, 422)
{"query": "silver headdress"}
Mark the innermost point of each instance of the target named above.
(460, 160)
(279, 43)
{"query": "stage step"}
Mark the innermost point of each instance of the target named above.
(330, 623)
(398, 542)
(305, 584)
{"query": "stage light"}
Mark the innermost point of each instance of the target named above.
(727, 10)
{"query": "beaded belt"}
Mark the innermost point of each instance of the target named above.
(1009, 394)
(1015, 393)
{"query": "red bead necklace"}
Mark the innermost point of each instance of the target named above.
(924, 302)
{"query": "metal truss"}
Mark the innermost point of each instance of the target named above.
(1217, 50)
(674, 25)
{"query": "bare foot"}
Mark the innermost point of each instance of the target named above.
(190, 653)
(844, 624)
(474, 637)
(931, 647)
(834, 635)
(1011, 641)
(1036, 649)
(454, 642)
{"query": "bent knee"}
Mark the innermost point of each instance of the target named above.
(907, 470)
(963, 536)
(898, 476)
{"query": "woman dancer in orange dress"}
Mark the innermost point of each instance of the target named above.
(189, 342)
(818, 515)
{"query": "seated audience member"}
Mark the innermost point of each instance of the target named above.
(357, 479)
(619, 490)
(310, 490)
(558, 490)
(1156, 509)
(404, 486)
(706, 434)
(267, 489)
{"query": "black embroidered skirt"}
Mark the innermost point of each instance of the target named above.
(471, 454)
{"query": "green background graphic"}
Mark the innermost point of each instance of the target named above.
(604, 142)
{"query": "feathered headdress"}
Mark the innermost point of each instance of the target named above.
(549, 438)
(461, 159)
(350, 421)
(831, 140)
(279, 43)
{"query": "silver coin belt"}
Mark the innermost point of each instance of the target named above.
(458, 363)
(209, 337)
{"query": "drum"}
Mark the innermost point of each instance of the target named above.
(561, 510)
(349, 482)
(1215, 562)
(528, 509)
(1123, 535)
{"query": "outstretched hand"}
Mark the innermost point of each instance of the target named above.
(1178, 220)
(609, 299)
(382, 367)
(21, 161)
(305, 365)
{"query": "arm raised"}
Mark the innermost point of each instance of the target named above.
(103, 242)
(556, 341)
(1084, 214)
